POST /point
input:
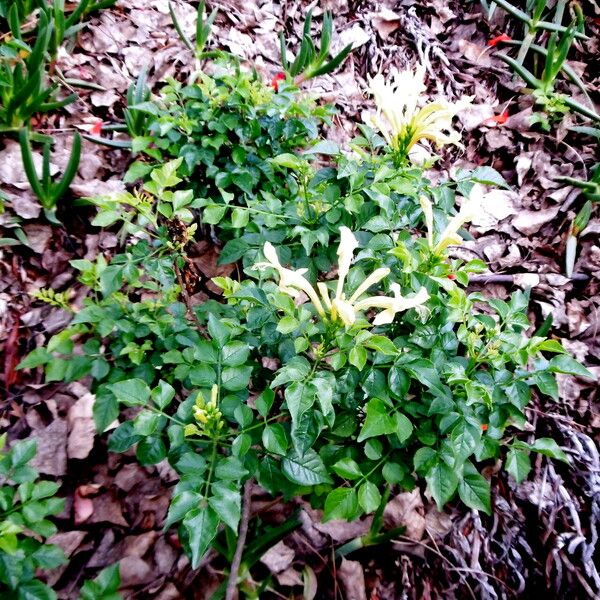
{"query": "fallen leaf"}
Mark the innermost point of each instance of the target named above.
(51, 458)
(278, 558)
(352, 579)
(83, 507)
(82, 428)
(406, 510)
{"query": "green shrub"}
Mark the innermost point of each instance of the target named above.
(25, 504)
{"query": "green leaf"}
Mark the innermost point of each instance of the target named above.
(297, 369)
(489, 176)
(218, 331)
(34, 589)
(547, 384)
(106, 411)
(563, 363)
(104, 586)
(287, 325)
(123, 437)
(347, 468)
(358, 357)
(300, 398)
(305, 470)
(235, 354)
(230, 468)
(162, 394)
(235, 379)
(442, 483)
(146, 422)
(474, 490)
(378, 420)
(341, 503)
(151, 450)
(404, 427)
(227, 503)
(291, 161)
(551, 346)
(274, 439)
(213, 213)
(131, 392)
(201, 525)
(381, 344)
(394, 473)
(181, 504)
(264, 402)
(518, 464)
(549, 447)
(232, 251)
(369, 497)
(36, 358)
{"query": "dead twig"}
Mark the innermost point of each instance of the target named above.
(241, 542)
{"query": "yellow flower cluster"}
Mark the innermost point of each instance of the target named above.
(341, 307)
(209, 419)
(400, 119)
(467, 212)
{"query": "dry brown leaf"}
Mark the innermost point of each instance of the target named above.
(406, 510)
(51, 458)
(278, 558)
(352, 579)
(385, 22)
(82, 429)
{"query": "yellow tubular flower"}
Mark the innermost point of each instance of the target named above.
(399, 119)
(290, 282)
(340, 307)
(427, 208)
(467, 212)
(392, 306)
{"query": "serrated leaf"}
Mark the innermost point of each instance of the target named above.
(341, 503)
(305, 470)
(227, 502)
(378, 420)
(563, 363)
(131, 392)
(442, 483)
(347, 468)
(181, 504)
(201, 525)
(518, 464)
(369, 497)
(474, 490)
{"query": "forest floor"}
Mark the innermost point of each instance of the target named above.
(543, 534)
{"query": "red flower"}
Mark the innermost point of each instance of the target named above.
(499, 39)
(484, 427)
(498, 119)
(96, 128)
(452, 276)
(275, 81)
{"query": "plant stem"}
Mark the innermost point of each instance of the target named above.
(241, 541)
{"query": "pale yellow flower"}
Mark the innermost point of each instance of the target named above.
(399, 118)
(467, 212)
(290, 282)
(394, 305)
(340, 307)
(427, 208)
